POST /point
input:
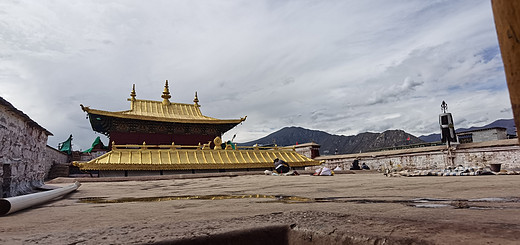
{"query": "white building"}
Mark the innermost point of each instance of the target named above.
(480, 135)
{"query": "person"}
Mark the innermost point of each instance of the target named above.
(355, 165)
(280, 166)
(364, 166)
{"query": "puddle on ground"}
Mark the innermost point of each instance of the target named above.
(466, 204)
(491, 199)
(429, 200)
(279, 198)
(416, 202)
(431, 205)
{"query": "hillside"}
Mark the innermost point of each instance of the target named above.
(332, 144)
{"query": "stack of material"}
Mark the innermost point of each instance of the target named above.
(456, 171)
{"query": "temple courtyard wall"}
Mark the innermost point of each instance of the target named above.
(481, 154)
(55, 161)
(506, 153)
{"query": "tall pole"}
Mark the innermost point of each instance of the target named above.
(444, 109)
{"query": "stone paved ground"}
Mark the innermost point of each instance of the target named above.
(369, 207)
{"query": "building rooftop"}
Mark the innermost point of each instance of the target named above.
(481, 129)
(24, 116)
(162, 111)
(176, 157)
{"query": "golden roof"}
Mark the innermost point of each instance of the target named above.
(175, 157)
(164, 111)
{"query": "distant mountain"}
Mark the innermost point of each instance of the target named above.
(509, 124)
(363, 142)
(431, 137)
(337, 144)
(290, 136)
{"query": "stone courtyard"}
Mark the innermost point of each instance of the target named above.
(361, 208)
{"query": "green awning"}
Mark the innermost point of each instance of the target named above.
(96, 142)
(66, 146)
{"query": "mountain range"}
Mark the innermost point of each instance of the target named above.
(509, 124)
(337, 144)
(363, 142)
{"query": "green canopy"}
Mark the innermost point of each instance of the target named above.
(96, 142)
(66, 146)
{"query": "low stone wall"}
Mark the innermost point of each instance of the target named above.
(55, 158)
(481, 154)
(22, 158)
(310, 150)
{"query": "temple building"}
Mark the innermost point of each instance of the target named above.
(158, 122)
(161, 137)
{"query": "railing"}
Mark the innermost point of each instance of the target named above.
(401, 147)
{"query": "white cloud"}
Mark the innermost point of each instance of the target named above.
(340, 66)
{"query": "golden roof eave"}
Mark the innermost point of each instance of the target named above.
(170, 157)
(198, 120)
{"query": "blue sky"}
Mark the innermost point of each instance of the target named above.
(343, 67)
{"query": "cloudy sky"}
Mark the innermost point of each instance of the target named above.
(343, 67)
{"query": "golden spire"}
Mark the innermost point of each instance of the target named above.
(166, 94)
(132, 100)
(196, 100)
(132, 94)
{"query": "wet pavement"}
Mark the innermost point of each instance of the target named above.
(459, 209)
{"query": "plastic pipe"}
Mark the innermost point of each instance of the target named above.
(13, 204)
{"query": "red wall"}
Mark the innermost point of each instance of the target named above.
(158, 139)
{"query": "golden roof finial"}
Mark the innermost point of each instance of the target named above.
(196, 100)
(132, 94)
(166, 94)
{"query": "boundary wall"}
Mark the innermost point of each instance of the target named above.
(481, 154)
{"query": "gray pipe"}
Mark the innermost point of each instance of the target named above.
(13, 204)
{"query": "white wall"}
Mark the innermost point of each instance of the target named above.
(22, 146)
(505, 152)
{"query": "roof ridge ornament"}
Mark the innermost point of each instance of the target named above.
(196, 100)
(166, 94)
(133, 94)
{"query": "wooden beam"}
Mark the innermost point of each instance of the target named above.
(507, 22)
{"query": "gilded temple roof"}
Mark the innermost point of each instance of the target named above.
(174, 157)
(164, 111)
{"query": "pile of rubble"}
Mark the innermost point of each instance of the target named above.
(397, 171)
